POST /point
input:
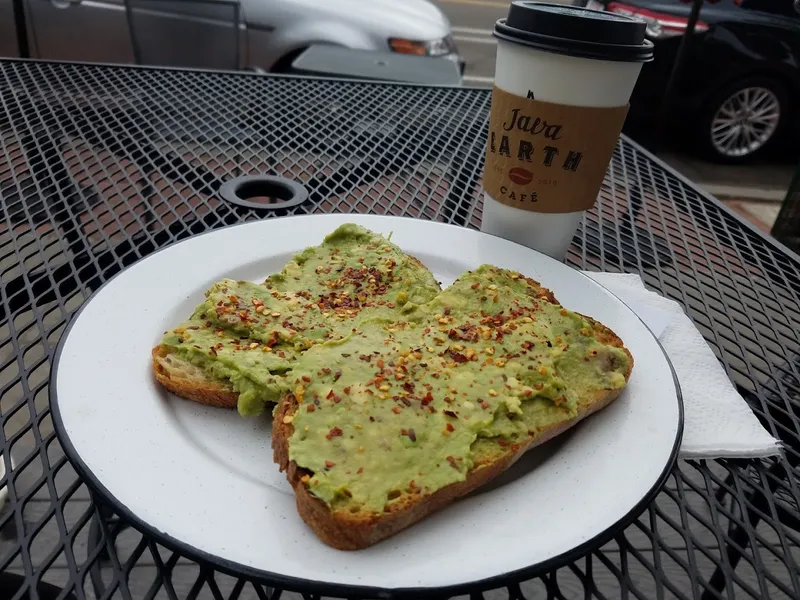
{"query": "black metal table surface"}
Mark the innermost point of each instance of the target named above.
(100, 166)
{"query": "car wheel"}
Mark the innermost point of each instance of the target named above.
(744, 120)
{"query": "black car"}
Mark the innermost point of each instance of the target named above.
(738, 93)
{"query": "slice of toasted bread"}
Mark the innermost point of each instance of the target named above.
(308, 275)
(347, 529)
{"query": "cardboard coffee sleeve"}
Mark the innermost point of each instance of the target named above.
(546, 157)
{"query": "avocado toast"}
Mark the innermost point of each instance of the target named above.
(400, 417)
(238, 345)
(393, 397)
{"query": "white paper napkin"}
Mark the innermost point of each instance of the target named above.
(718, 423)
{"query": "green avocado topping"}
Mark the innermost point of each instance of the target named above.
(401, 389)
(250, 334)
(492, 360)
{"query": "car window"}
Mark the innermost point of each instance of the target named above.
(786, 8)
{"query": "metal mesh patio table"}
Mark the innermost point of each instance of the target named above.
(102, 165)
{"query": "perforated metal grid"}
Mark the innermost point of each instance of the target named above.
(100, 166)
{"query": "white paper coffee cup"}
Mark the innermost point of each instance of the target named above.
(551, 60)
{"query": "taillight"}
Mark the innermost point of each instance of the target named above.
(659, 25)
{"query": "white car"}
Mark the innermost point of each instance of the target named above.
(199, 33)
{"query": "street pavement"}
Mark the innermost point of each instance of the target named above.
(472, 28)
(755, 191)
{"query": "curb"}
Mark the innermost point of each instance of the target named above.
(750, 194)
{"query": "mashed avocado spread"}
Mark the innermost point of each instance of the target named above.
(401, 388)
(491, 362)
(251, 334)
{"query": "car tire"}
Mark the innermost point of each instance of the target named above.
(743, 120)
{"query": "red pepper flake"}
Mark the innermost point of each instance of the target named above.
(406, 401)
(475, 285)
(347, 355)
(447, 310)
(335, 432)
(409, 387)
(347, 390)
(484, 404)
(360, 470)
(427, 330)
(311, 408)
(427, 399)
(450, 427)
(458, 357)
(336, 399)
(502, 442)
(396, 410)
(380, 363)
(306, 378)
(336, 375)
(212, 350)
(411, 435)
(325, 370)
(365, 357)
(329, 464)
(448, 399)
(330, 395)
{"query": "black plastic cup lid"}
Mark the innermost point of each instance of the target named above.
(575, 31)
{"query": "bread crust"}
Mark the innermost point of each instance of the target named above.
(347, 531)
(189, 382)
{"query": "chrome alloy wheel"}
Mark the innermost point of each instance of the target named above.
(745, 121)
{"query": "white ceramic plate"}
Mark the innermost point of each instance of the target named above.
(202, 480)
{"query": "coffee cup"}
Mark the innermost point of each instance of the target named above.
(563, 80)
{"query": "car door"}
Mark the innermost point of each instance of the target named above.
(771, 29)
(9, 46)
(188, 33)
(79, 30)
(175, 33)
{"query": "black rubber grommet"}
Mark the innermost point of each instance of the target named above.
(238, 190)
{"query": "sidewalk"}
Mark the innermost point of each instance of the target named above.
(754, 191)
(762, 214)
